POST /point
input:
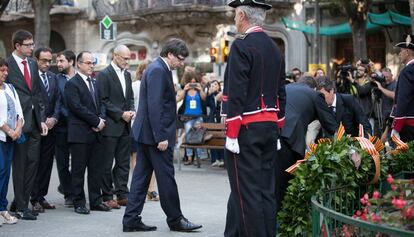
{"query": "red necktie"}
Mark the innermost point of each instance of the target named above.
(27, 75)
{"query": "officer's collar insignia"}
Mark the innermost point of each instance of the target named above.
(241, 36)
(408, 40)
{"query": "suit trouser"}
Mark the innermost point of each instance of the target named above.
(149, 158)
(286, 158)
(85, 155)
(407, 133)
(47, 151)
(251, 205)
(25, 165)
(62, 162)
(6, 157)
(120, 149)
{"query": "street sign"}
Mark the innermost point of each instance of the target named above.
(107, 29)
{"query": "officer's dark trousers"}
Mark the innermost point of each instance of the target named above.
(407, 133)
(251, 207)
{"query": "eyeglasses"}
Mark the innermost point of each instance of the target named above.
(44, 60)
(181, 58)
(89, 63)
(31, 45)
(124, 58)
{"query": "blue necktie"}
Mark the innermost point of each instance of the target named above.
(92, 91)
(45, 83)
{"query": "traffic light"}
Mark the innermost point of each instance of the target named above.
(225, 51)
(213, 55)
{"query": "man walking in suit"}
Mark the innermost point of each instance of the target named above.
(253, 85)
(85, 123)
(303, 105)
(154, 130)
(404, 95)
(117, 97)
(51, 101)
(346, 108)
(66, 66)
(24, 76)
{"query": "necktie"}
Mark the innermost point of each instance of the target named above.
(92, 91)
(45, 83)
(27, 75)
(333, 108)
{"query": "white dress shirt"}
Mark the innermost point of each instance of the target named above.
(20, 64)
(121, 76)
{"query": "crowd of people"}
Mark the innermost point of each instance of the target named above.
(115, 122)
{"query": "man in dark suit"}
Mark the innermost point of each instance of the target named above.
(85, 122)
(346, 108)
(24, 76)
(154, 130)
(51, 101)
(303, 105)
(117, 96)
(66, 66)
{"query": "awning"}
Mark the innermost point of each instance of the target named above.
(375, 21)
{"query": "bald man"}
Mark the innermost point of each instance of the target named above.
(118, 99)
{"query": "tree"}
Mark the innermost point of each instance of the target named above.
(3, 5)
(42, 21)
(412, 15)
(357, 13)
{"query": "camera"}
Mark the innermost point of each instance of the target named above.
(344, 69)
(378, 76)
(193, 85)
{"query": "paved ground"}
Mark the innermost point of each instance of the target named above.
(203, 194)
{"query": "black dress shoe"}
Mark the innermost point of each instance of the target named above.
(82, 210)
(139, 227)
(26, 215)
(101, 207)
(185, 225)
(46, 205)
(38, 208)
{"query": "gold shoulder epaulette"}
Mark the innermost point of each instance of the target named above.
(241, 36)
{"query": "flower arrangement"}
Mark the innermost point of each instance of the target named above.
(395, 208)
(333, 163)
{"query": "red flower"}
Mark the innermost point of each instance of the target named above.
(375, 218)
(389, 179)
(394, 187)
(375, 195)
(398, 203)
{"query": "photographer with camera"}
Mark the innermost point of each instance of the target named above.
(384, 87)
(192, 109)
(363, 86)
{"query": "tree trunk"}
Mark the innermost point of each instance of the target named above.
(412, 15)
(357, 12)
(359, 40)
(42, 22)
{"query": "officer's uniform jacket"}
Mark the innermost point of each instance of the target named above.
(253, 81)
(404, 98)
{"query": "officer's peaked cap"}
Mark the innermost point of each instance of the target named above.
(407, 42)
(253, 3)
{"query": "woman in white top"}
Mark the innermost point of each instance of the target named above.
(11, 123)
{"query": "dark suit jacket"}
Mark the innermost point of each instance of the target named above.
(350, 113)
(52, 101)
(82, 114)
(303, 105)
(63, 112)
(156, 117)
(28, 99)
(115, 102)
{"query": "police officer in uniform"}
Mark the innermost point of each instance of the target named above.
(254, 100)
(403, 112)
